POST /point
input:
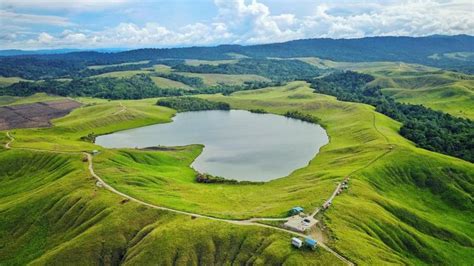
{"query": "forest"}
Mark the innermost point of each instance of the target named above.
(407, 49)
(136, 87)
(429, 129)
(185, 104)
(277, 70)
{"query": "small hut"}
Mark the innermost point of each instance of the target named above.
(311, 243)
(296, 210)
(296, 242)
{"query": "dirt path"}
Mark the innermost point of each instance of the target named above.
(248, 222)
(123, 109)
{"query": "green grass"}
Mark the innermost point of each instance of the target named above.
(195, 62)
(440, 90)
(122, 64)
(37, 97)
(404, 206)
(216, 79)
(7, 81)
(168, 83)
(121, 74)
(53, 214)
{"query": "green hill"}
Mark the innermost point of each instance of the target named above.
(405, 205)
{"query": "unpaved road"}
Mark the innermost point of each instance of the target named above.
(248, 222)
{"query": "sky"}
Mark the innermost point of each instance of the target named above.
(86, 24)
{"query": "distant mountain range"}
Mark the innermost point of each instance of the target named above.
(13, 52)
(448, 52)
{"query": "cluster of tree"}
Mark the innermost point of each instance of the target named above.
(228, 89)
(64, 66)
(35, 68)
(278, 70)
(184, 104)
(258, 111)
(136, 87)
(210, 179)
(429, 129)
(301, 116)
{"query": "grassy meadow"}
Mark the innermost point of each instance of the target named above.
(54, 214)
(227, 79)
(404, 206)
(440, 90)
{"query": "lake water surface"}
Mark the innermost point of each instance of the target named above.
(238, 144)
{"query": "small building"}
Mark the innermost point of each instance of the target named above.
(296, 210)
(326, 205)
(95, 152)
(296, 242)
(311, 243)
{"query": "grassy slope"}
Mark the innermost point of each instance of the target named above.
(216, 79)
(7, 81)
(122, 74)
(416, 84)
(195, 62)
(38, 97)
(96, 116)
(389, 215)
(168, 83)
(122, 64)
(53, 214)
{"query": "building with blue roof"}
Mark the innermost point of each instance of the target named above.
(311, 243)
(296, 210)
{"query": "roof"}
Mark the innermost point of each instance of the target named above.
(297, 240)
(297, 208)
(310, 241)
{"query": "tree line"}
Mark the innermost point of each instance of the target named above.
(136, 87)
(277, 70)
(429, 129)
(185, 104)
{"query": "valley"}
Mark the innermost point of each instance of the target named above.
(138, 163)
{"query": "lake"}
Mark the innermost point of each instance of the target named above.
(238, 144)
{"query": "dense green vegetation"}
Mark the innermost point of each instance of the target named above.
(184, 104)
(194, 82)
(277, 70)
(385, 217)
(405, 205)
(429, 129)
(414, 50)
(301, 116)
(135, 87)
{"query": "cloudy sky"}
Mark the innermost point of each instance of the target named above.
(35, 24)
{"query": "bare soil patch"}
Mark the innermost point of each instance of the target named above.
(34, 114)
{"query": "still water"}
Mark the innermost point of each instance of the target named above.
(238, 144)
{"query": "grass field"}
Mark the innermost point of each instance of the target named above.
(168, 83)
(195, 62)
(216, 79)
(404, 206)
(7, 81)
(122, 74)
(38, 97)
(440, 90)
(122, 64)
(58, 216)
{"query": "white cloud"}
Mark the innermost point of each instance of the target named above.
(250, 22)
(12, 18)
(62, 4)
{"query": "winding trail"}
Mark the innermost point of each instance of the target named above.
(248, 222)
(123, 109)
